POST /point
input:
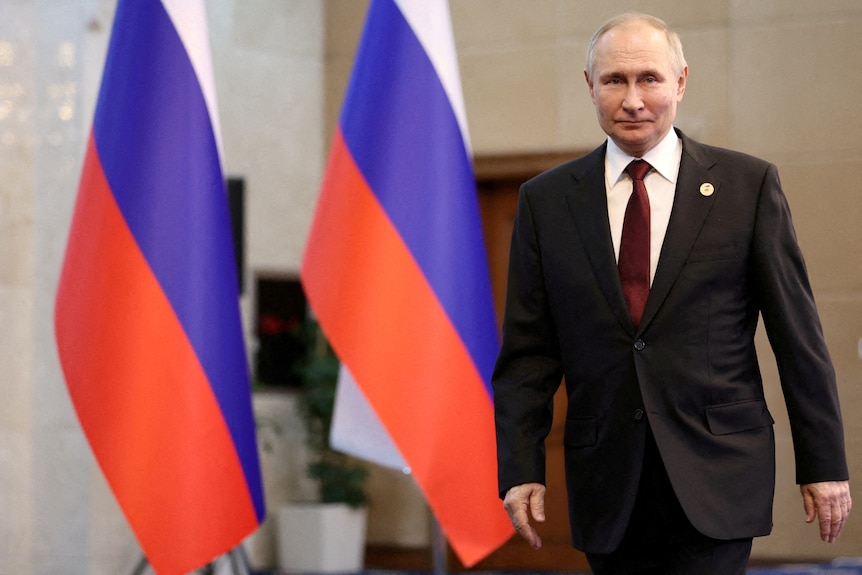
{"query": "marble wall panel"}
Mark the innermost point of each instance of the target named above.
(794, 89)
(826, 213)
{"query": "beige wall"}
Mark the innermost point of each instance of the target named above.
(779, 79)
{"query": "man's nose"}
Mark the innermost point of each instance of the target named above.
(633, 100)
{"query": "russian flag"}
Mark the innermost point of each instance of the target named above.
(147, 313)
(396, 272)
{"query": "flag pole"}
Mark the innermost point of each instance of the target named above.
(439, 548)
(237, 561)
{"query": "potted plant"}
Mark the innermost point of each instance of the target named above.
(328, 535)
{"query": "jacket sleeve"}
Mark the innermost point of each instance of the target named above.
(528, 370)
(796, 336)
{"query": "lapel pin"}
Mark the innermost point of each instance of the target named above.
(707, 189)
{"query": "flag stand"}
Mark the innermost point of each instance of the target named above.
(438, 548)
(237, 556)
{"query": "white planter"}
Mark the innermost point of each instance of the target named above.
(321, 538)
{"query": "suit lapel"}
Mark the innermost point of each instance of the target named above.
(690, 209)
(588, 205)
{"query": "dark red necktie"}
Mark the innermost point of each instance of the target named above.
(634, 245)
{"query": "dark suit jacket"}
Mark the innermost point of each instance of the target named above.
(690, 369)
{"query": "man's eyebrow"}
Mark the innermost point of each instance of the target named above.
(651, 72)
(642, 73)
(611, 74)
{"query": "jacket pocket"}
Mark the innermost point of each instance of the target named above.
(740, 416)
(715, 253)
(580, 432)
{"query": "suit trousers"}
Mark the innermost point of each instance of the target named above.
(660, 540)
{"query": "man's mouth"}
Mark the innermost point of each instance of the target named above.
(632, 123)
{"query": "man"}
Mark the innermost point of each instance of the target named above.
(669, 446)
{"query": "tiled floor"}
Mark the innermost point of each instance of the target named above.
(846, 566)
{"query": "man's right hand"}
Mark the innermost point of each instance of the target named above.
(521, 498)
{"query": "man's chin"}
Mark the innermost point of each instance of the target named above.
(631, 141)
(629, 130)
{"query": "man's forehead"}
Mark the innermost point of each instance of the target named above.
(634, 30)
(626, 49)
(633, 38)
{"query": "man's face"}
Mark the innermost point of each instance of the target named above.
(635, 86)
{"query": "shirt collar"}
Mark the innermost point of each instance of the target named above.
(664, 158)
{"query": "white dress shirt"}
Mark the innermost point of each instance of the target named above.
(660, 183)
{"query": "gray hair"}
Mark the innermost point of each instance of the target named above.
(673, 41)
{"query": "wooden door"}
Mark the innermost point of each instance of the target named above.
(499, 179)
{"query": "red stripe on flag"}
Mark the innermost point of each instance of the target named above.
(386, 324)
(158, 432)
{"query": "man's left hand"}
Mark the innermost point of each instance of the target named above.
(831, 502)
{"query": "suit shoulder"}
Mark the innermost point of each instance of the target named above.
(567, 172)
(706, 154)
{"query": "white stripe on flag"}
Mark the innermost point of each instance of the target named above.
(356, 429)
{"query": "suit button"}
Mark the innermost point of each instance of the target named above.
(639, 414)
(639, 344)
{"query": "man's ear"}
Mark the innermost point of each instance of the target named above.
(680, 90)
(590, 86)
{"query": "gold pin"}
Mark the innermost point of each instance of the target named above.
(707, 189)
